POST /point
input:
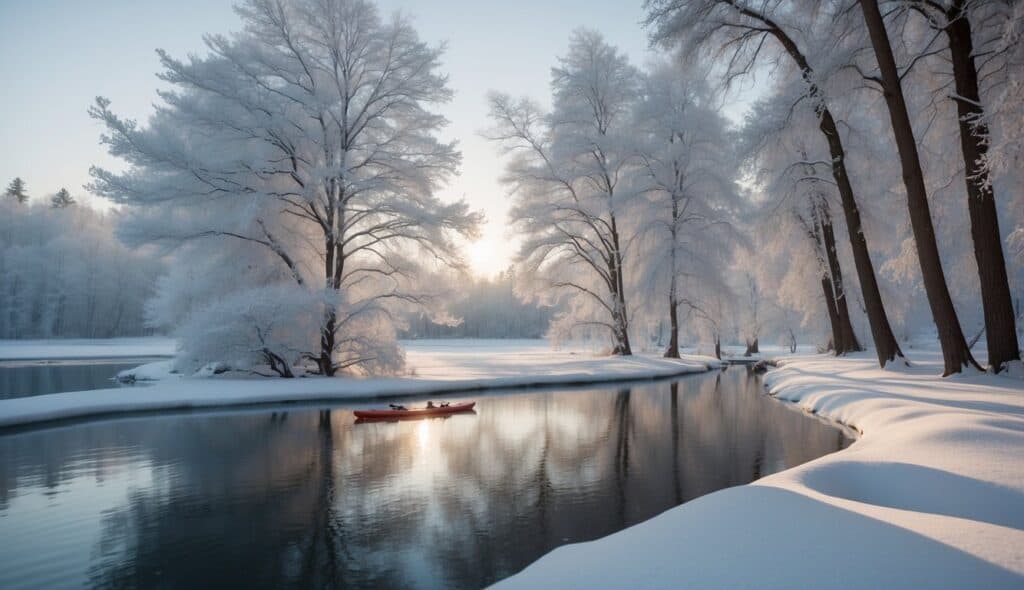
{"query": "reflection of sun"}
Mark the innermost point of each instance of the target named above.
(423, 434)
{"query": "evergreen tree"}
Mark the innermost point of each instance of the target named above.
(16, 190)
(62, 199)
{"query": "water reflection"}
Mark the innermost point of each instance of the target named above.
(28, 378)
(308, 498)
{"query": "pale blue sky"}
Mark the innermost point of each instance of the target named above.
(56, 55)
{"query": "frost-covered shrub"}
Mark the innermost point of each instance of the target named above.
(268, 329)
(257, 327)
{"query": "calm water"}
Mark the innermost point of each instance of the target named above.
(304, 497)
(28, 378)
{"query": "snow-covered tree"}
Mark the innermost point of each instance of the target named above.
(1006, 114)
(955, 352)
(66, 275)
(306, 147)
(62, 199)
(16, 190)
(971, 33)
(795, 34)
(569, 173)
(788, 159)
(687, 174)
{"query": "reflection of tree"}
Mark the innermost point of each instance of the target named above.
(622, 428)
(308, 499)
(218, 511)
(677, 486)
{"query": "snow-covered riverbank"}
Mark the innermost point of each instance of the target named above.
(437, 366)
(931, 496)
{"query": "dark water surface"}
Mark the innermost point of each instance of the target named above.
(28, 378)
(301, 496)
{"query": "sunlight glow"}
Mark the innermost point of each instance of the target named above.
(423, 434)
(487, 256)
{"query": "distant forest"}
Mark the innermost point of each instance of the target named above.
(65, 274)
(487, 308)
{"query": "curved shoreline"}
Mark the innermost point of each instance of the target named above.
(214, 392)
(930, 495)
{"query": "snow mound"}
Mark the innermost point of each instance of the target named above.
(155, 371)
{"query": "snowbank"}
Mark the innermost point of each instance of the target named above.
(438, 368)
(155, 371)
(930, 496)
(84, 348)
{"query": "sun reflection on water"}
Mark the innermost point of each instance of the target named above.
(423, 434)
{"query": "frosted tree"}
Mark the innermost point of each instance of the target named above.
(1006, 118)
(569, 173)
(791, 257)
(956, 354)
(788, 159)
(16, 190)
(1006, 114)
(687, 175)
(308, 137)
(970, 40)
(62, 199)
(66, 275)
(746, 32)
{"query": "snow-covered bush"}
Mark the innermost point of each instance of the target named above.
(269, 328)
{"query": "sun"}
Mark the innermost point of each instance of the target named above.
(486, 257)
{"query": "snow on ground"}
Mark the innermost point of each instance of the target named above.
(86, 348)
(436, 367)
(930, 496)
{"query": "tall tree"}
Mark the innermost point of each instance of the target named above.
(309, 139)
(818, 227)
(812, 230)
(956, 18)
(848, 338)
(742, 29)
(16, 190)
(62, 199)
(956, 354)
(569, 178)
(688, 176)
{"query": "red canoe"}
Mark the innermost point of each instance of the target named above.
(416, 412)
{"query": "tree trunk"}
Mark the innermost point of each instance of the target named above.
(673, 315)
(951, 337)
(752, 347)
(673, 303)
(830, 305)
(847, 341)
(620, 317)
(718, 347)
(326, 361)
(886, 347)
(1000, 323)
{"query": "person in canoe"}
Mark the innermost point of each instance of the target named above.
(397, 407)
(430, 405)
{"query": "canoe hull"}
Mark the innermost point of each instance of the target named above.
(416, 412)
